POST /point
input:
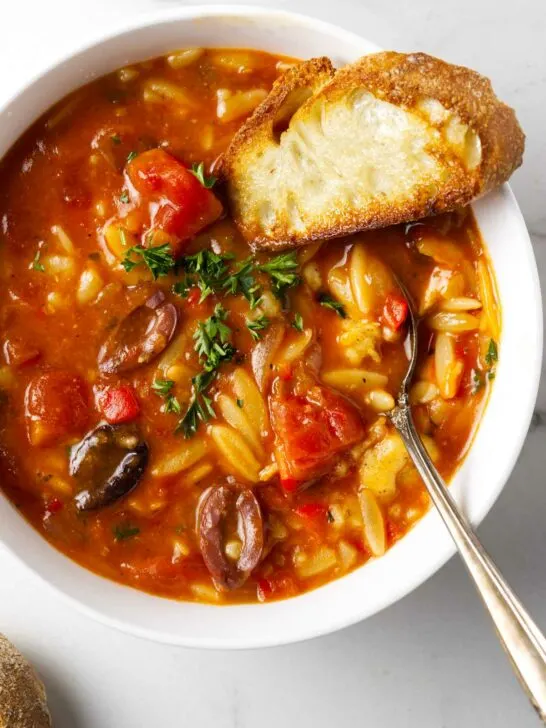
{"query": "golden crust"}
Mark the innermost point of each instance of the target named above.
(313, 75)
(403, 81)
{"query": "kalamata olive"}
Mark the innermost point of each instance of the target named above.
(140, 336)
(224, 509)
(107, 464)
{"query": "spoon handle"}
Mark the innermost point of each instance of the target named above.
(521, 639)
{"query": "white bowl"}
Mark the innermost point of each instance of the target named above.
(493, 453)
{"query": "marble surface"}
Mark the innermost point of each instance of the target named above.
(431, 660)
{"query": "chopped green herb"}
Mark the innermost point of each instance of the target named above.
(477, 381)
(328, 302)
(182, 287)
(199, 171)
(171, 405)
(116, 139)
(214, 348)
(492, 354)
(491, 375)
(240, 403)
(212, 340)
(36, 265)
(131, 156)
(158, 259)
(207, 270)
(297, 323)
(125, 531)
(162, 387)
(282, 269)
(242, 280)
(124, 197)
(257, 325)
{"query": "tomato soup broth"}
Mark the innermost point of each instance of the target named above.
(183, 416)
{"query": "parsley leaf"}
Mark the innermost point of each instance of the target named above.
(211, 340)
(116, 139)
(124, 197)
(328, 302)
(492, 354)
(207, 270)
(477, 381)
(214, 348)
(131, 156)
(257, 325)
(171, 405)
(297, 323)
(162, 387)
(198, 170)
(282, 269)
(242, 281)
(240, 403)
(158, 259)
(36, 265)
(124, 531)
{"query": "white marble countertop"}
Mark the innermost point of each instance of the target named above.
(431, 660)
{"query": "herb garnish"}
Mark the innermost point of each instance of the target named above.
(162, 387)
(131, 156)
(282, 269)
(240, 403)
(242, 280)
(492, 354)
(198, 170)
(214, 348)
(116, 139)
(297, 323)
(36, 265)
(158, 259)
(477, 381)
(124, 531)
(124, 197)
(257, 325)
(328, 302)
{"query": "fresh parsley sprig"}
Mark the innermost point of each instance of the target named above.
(158, 259)
(213, 345)
(255, 326)
(198, 170)
(328, 302)
(282, 269)
(163, 387)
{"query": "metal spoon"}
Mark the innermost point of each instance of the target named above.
(521, 639)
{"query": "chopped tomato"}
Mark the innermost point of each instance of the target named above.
(20, 353)
(56, 406)
(54, 505)
(395, 310)
(276, 587)
(182, 206)
(311, 510)
(193, 297)
(119, 404)
(310, 430)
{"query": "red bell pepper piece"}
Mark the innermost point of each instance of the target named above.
(119, 404)
(395, 310)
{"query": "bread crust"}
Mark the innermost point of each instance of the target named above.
(403, 80)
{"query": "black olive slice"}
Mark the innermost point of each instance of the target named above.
(219, 508)
(140, 336)
(107, 464)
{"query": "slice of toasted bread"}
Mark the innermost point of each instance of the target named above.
(388, 139)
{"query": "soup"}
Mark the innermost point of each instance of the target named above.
(185, 417)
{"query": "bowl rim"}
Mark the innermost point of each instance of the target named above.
(445, 548)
